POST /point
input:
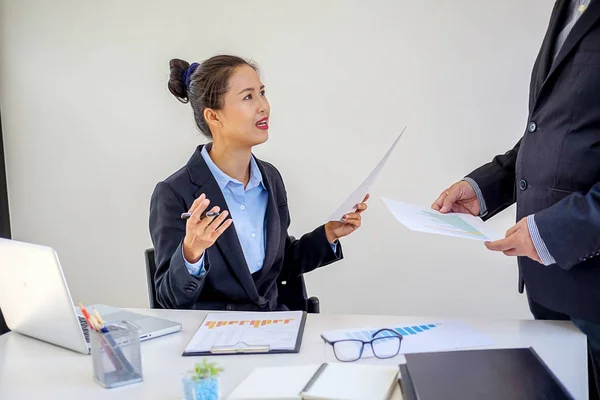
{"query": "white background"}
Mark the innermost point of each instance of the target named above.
(90, 128)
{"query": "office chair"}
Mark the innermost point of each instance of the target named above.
(3, 326)
(292, 292)
(150, 272)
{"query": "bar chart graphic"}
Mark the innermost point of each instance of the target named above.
(367, 335)
(422, 219)
(453, 223)
(255, 323)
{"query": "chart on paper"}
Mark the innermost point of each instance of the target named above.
(417, 338)
(427, 220)
(278, 330)
(453, 224)
(367, 335)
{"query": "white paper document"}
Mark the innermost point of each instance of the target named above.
(421, 219)
(349, 205)
(416, 338)
(277, 330)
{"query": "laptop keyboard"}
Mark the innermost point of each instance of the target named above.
(85, 328)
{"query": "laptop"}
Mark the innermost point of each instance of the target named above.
(35, 300)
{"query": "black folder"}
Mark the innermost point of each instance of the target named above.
(479, 374)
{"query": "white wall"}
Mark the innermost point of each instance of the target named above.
(90, 128)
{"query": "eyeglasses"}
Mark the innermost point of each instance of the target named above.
(385, 343)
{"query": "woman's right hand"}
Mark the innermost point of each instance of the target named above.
(201, 232)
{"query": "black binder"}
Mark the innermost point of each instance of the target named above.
(479, 374)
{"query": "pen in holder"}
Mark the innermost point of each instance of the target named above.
(116, 354)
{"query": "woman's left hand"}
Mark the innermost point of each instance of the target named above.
(335, 230)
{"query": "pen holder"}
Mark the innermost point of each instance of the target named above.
(116, 355)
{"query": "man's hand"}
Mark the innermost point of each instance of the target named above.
(458, 198)
(517, 242)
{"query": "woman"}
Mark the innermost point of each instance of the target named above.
(230, 261)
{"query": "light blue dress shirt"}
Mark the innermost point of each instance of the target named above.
(576, 10)
(247, 207)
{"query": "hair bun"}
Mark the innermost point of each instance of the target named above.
(176, 79)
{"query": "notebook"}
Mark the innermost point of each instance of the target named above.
(331, 381)
(479, 374)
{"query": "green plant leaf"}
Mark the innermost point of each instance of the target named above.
(206, 370)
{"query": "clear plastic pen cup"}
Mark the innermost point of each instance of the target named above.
(116, 355)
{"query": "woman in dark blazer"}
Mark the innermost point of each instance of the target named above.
(231, 250)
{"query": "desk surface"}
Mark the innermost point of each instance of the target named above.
(33, 369)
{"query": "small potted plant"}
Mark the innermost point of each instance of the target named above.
(203, 382)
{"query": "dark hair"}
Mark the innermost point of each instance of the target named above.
(206, 85)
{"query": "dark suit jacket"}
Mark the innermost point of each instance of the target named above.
(228, 284)
(554, 170)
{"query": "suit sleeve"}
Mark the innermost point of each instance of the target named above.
(308, 253)
(496, 180)
(175, 286)
(570, 228)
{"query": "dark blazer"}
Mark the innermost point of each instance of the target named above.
(228, 284)
(554, 170)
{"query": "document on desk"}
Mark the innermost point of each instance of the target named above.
(428, 220)
(248, 333)
(349, 205)
(420, 337)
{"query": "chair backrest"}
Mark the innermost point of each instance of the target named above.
(292, 293)
(3, 326)
(150, 272)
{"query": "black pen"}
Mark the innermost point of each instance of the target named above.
(207, 215)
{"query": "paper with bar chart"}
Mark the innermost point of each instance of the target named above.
(427, 220)
(246, 332)
(417, 338)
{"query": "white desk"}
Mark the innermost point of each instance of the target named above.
(30, 369)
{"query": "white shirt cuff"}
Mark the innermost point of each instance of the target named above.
(195, 269)
(479, 194)
(334, 246)
(538, 242)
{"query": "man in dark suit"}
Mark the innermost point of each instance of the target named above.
(4, 218)
(553, 174)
